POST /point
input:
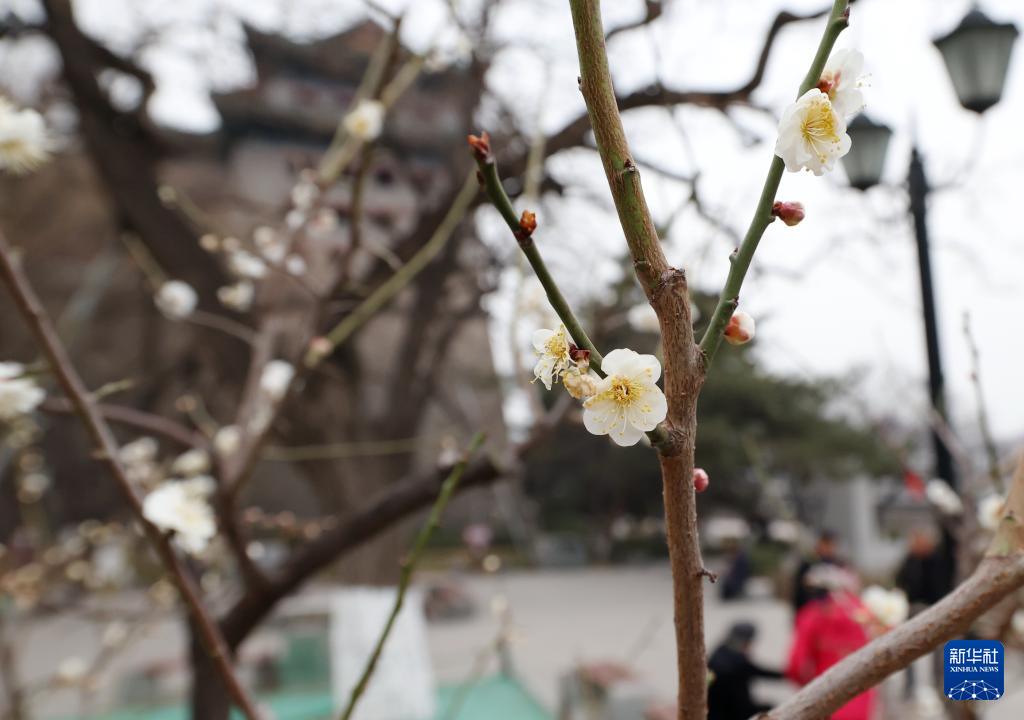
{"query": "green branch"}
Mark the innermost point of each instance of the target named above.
(409, 567)
(496, 194)
(740, 260)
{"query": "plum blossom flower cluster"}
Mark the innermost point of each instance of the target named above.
(24, 142)
(182, 507)
(19, 394)
(365, 121)
(812, 130)
(624, 404)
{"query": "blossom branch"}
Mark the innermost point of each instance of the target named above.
(666, 290)
(409, 567)
(492, 186)
(38, 320)
(741, 258)
(137, 419)
(998, 576)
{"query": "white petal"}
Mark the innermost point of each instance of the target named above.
(602, 416)
(626, 435)
(647, 369)
(540, 339)
(619, 361)
(648, 410)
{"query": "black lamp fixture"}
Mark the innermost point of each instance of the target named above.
(977, 55)
(866, 159)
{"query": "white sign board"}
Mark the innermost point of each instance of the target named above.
(402, 686)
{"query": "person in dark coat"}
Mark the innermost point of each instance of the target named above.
(924, 577)
(729, 696)
(825, 551)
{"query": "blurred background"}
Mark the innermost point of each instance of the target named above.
(887, 353)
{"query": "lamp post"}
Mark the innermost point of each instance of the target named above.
(977, 55)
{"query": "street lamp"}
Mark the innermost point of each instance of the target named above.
(977, 55)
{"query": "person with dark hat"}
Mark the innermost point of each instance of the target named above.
(732, 672)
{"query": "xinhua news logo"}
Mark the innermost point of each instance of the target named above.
(974, 670)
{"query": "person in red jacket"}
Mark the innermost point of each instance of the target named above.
(833, 624)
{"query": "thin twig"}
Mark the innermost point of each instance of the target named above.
(408, 568)
(991, 451)
(41, 325)
(741, 258)
(401, 279)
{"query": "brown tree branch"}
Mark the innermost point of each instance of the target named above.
(136, 419)
(999, 575)
(666, 290)
(63, 368)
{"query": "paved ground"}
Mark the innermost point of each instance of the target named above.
(559, 618)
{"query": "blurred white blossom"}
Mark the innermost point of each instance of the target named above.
(71, 671)
(295, 265)
(990, 510)
(238, 296)
(182, 507)
(176, 299)
(276, 377)
(642, 318)
(246, 265)
(19, 395)
(24, 142)
(943, 497)
(227, 440)
(889, 606)
(812, 134)
(628, 401)
(366, 121)
(192, 462)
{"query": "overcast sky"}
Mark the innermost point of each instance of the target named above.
(836, 295)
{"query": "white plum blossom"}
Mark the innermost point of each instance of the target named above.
(246, 265)
(176, 299)
(741, 329)
(990, 511)
(304, 195)
(812, 134)
(192, 462)
(842, 79)
(366, 121)
(182, 507)
(19, 395)
(628, 401)
(139, 452)
(24, 143)
(943, 497)
(295, 265)
(227, 440)
(276, 377)
(642, 318)
(71, 671)
(552, 347)
(238, 296)
(890, 607)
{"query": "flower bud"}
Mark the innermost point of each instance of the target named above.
(481, 146)
(790, 213)
(740, 329)
(528, 223)
(700, 480)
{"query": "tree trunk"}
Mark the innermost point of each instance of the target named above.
(209, 697)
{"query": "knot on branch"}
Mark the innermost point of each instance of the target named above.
(705, 573)
(672, 278)
(670, 441)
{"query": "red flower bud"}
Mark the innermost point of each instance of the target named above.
(481, 146)
(528, 223)
(700, 480)
(740, 329)
(790, 213)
